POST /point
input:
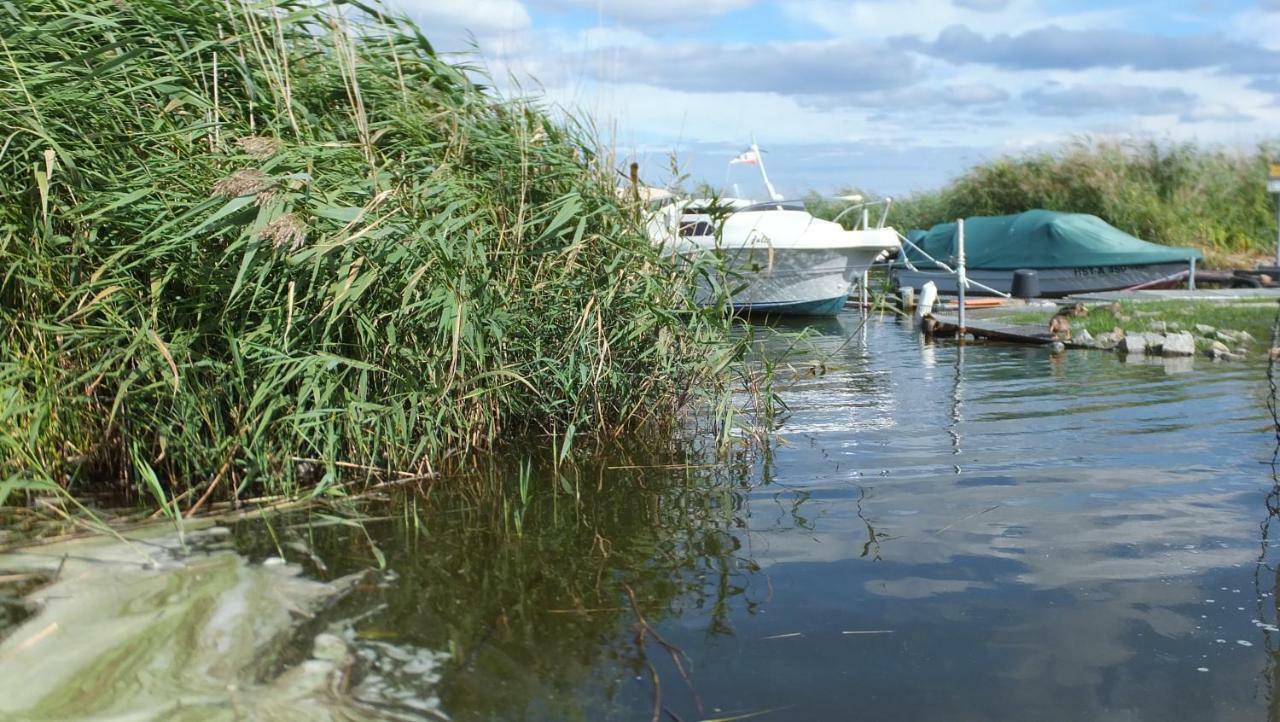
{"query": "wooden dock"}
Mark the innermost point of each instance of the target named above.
(990, 330)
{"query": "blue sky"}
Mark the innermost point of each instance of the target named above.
(888, 95)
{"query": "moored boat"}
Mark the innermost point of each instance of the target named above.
(1071, 253)
(777, 258)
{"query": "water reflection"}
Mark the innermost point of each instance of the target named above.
(568, 602)
(1266, 578)
(937, 532)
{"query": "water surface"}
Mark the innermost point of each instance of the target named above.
(937, 533)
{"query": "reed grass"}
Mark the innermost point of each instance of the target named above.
(262, 247)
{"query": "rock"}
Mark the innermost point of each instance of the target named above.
(1135, 343)
(1109, 340)
(1218, 351)
(1274, 354)
(1245, 337)
(1225, 335)
(1204, 330)
(1084, 338)
(1173, 326)
(1057, 347)
(1158, 326)
(1179, 344)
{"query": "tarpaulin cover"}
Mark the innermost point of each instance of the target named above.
(1041, 239)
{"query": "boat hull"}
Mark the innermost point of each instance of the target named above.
(770, 258)
(794, 282)
(1054, 282)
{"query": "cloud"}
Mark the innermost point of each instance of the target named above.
(1055, 48)
(653, 11)
(1080, 100)
(986, 6)
(973, 94)
(925, 19)
(834, 67)
(1215, 114)
(480, 17)
(908, 100)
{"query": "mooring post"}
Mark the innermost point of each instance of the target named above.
(1273, 187)
(961, 281)
(1191, 276)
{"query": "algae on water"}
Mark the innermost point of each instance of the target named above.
(147, 631)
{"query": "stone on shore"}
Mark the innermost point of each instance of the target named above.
(1179, 344)
(1219, 351)
(1084, 338)
(1204, 330)
(1158, 327)
(1109, 340)
(1136, 343)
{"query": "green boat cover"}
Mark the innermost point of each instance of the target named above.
(1040, 239)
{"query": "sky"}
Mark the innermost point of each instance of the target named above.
(892, 96)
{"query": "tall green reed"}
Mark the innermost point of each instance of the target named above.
(280, 245)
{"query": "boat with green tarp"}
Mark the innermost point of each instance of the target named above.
(1070, 252)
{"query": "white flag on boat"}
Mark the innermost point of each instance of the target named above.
(750, 157)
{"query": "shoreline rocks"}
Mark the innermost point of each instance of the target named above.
(1169, 339)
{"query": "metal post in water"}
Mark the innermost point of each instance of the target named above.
(961, 281)
(1191, 276)
(863, 296)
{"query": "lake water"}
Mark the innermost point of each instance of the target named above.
(938, 533)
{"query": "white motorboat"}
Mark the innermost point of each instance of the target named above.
(777, 257)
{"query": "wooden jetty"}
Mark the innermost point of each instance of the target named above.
(991, 330)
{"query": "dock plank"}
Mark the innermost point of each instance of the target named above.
(995, 331)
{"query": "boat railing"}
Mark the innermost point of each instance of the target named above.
(864, 221)
(958, 272)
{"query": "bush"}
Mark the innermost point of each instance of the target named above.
(1181, 195)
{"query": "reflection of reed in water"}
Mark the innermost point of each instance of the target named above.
(1266, 578)
(571, 601)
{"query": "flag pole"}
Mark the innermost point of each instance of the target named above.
(773, 194)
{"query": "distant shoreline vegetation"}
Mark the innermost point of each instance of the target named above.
(266, 247)
(1183, 194)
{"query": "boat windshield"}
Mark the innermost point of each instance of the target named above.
(772, 206)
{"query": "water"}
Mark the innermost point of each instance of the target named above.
(939, 533)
